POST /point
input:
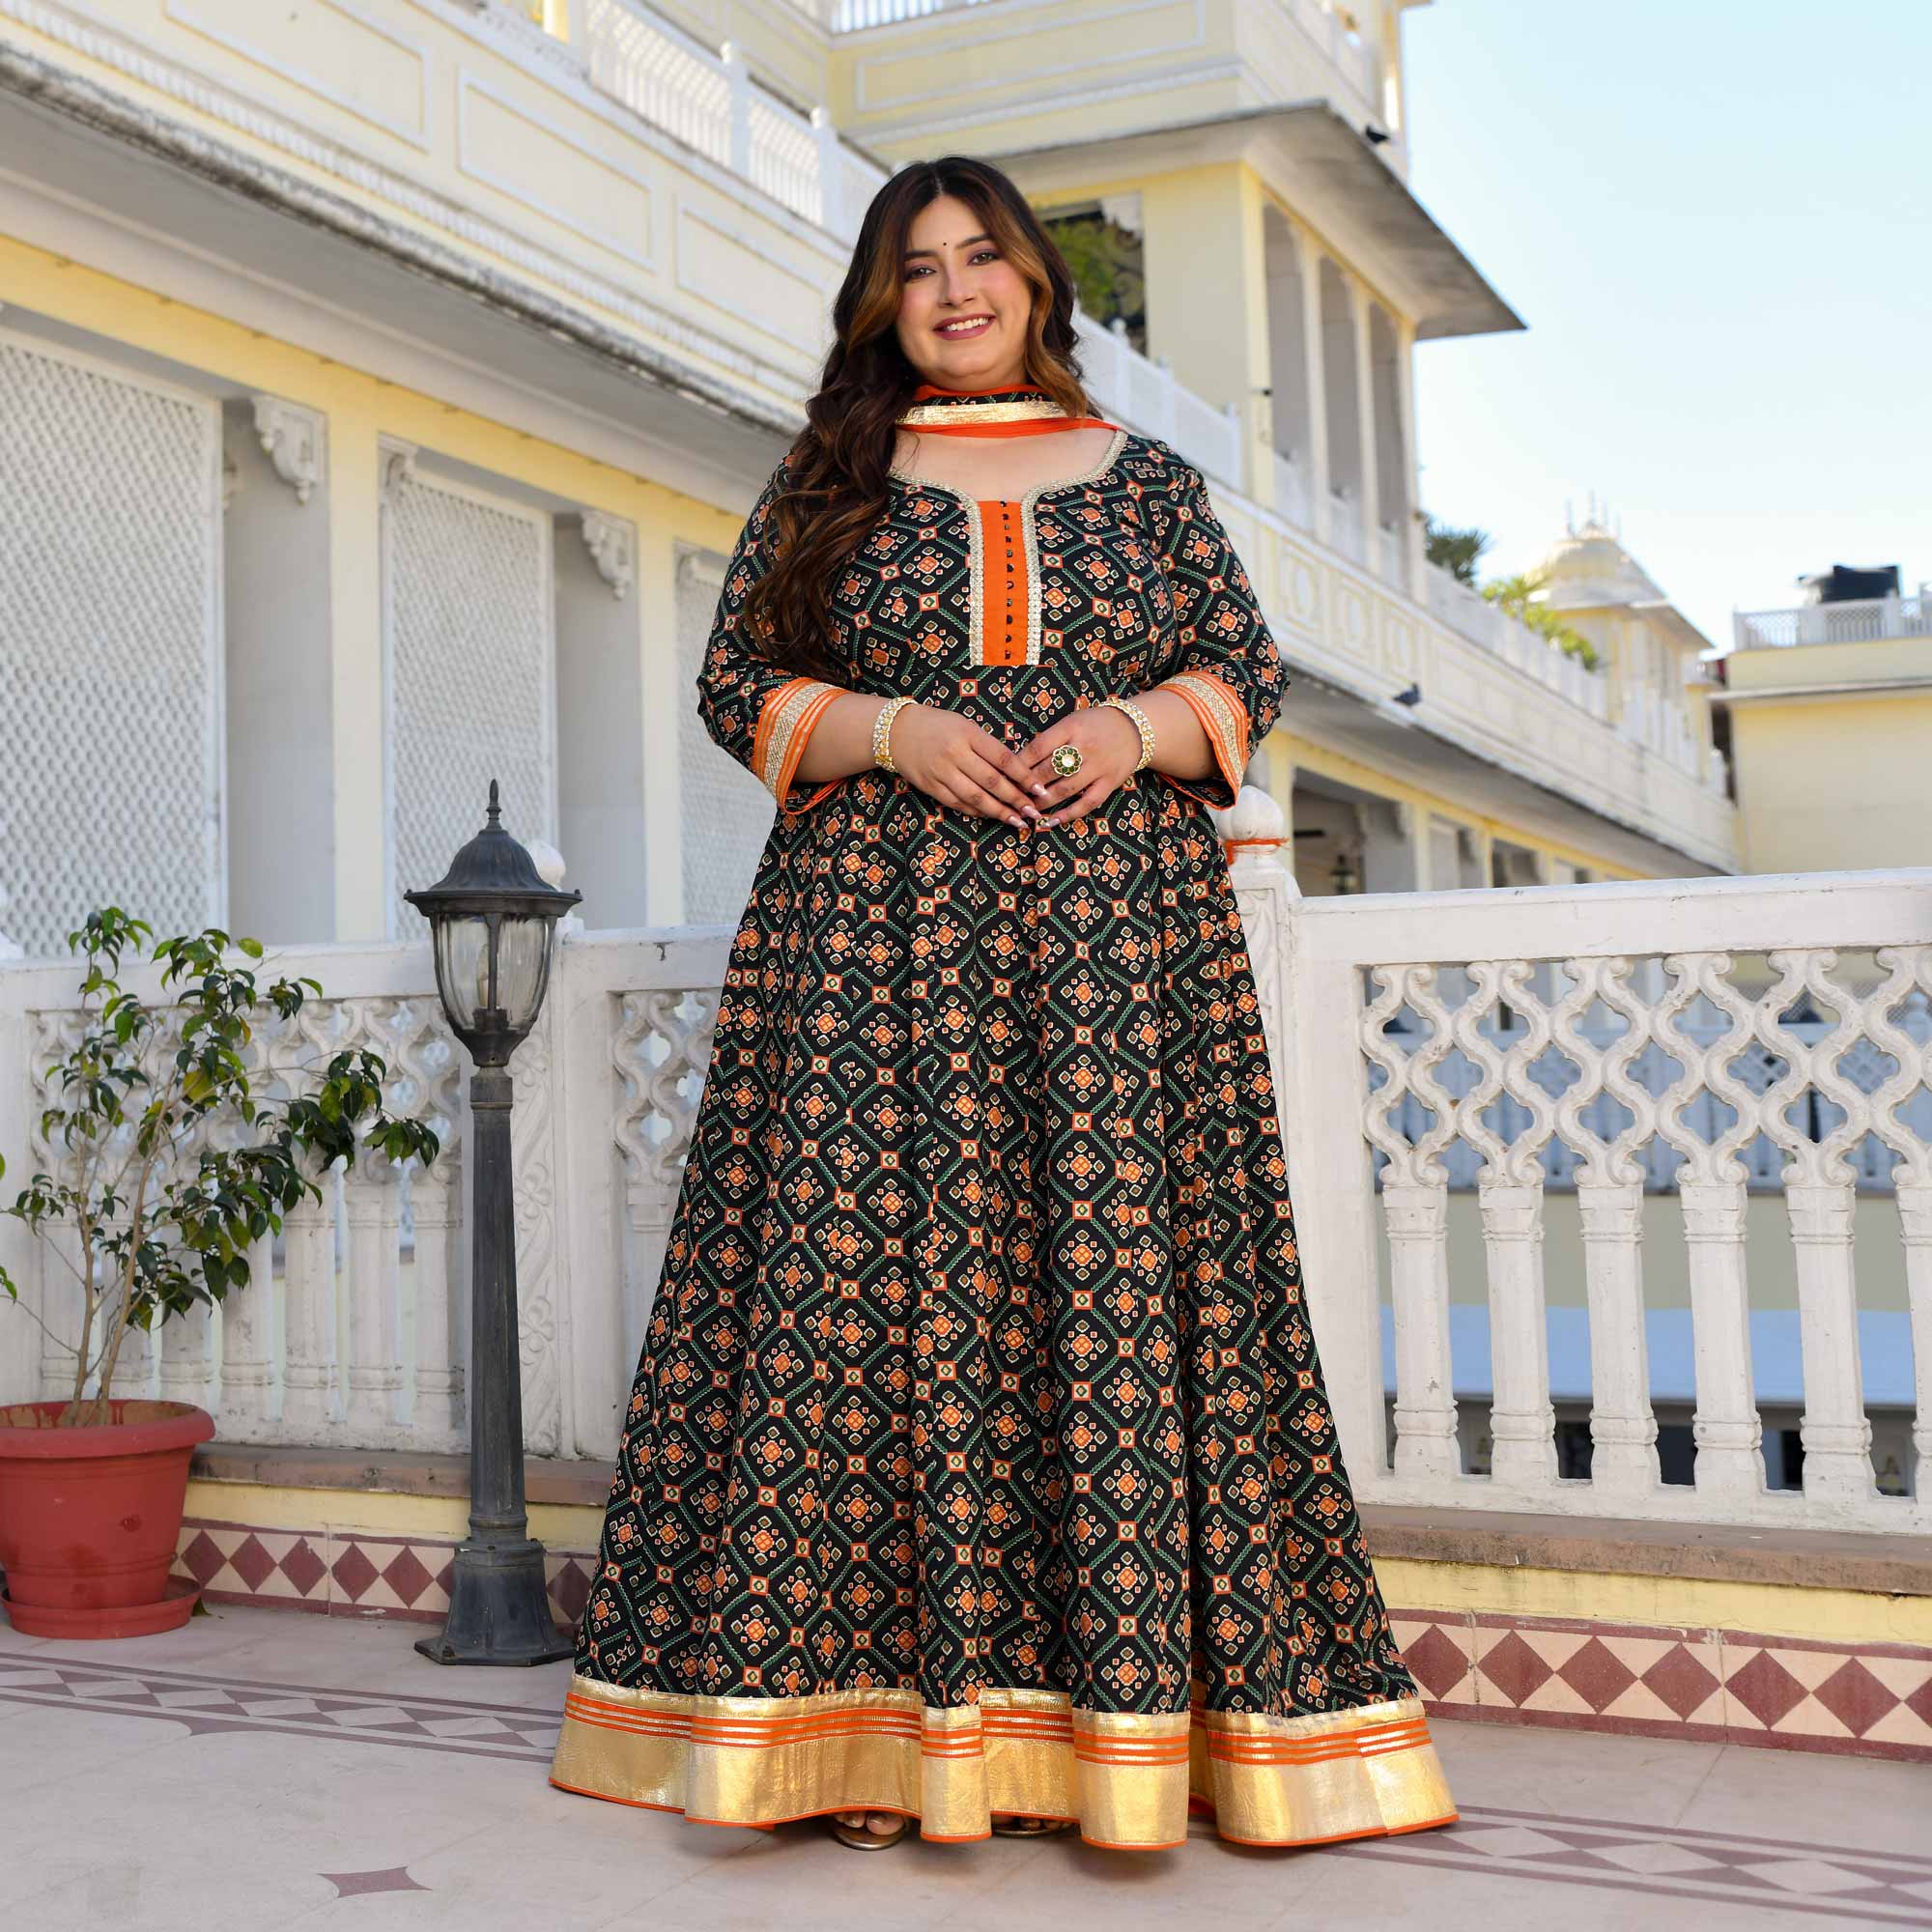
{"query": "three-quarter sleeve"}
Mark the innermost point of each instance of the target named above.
(1229, 668)
(753, 708)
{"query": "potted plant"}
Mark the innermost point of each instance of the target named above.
(169, 1166)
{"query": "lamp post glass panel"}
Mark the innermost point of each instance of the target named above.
(493, 926)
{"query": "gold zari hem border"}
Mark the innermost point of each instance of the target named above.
(1126, 1780)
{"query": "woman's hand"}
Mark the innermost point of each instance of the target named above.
(957, 761)
(1110, 748)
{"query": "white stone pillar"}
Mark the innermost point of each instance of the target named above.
(280, 648)
(601, 711)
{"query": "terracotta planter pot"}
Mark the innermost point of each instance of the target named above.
(89, 1517)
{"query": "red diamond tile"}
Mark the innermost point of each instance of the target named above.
(1515, 1669)
(445, 1577)
(1680, 1680)
(1765, 1689)
(1855, 1697)
(407, 1577)
(302, 1567)
(202, 1558)
(1434, 1660)
(1920, 1703)
(354, 1573)
(252, 1563)
(1597, 1674)
(570, 1590)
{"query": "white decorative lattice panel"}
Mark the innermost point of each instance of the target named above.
(110, 615)
(470, 622)
(726, 813)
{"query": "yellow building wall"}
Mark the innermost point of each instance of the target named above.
(1837, 780)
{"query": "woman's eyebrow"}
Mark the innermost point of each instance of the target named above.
(967, 244)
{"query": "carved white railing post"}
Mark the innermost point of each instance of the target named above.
(249, 1378)
(1415, 1209)
(1610, 1199)
(188, 1358)
(738, 79)
(308, 1312)
(831, 171)
(371, 1204)
(61, 1303)
(437, 1217)
(1820, 1191)
(423, 1082)
(1906, 969)
(1509, 1191)
(1726, 1427)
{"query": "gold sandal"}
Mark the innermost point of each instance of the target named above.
(1023, 1827)
(860, 1836)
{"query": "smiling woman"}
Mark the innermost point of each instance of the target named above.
(978, 1467)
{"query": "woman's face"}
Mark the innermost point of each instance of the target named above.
(963, 308)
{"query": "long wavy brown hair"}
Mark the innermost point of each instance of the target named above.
(839, 481)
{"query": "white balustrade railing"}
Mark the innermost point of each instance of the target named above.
(352, 1328)
(1345, 528)
(709, 100)
(1145, 395)
(1863, 621)
(1661, 1061)
(1291, 500)
(1474, 617)
(1619, 1045)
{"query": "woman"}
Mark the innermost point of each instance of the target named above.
(978, 1427)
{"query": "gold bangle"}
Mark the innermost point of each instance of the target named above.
(882, 731)
(1141, 725)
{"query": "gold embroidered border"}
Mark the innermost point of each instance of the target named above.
(784, 722)
(1126, 1778)
(922, 415)
(1222, 715)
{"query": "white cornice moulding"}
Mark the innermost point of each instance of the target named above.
(613, 549)
(295, 441)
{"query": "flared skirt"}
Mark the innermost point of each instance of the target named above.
(979, 1458)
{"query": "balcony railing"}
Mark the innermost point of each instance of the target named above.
(1865, 620)
(1651, 1056)
(1472, 616)
(709, 101)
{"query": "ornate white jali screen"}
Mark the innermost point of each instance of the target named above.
(110, 646)
(469, 657)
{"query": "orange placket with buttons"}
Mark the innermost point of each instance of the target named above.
(1006, 594)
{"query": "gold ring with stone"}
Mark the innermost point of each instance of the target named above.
(1067, 759)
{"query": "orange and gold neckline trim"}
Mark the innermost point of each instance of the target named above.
(1020, 410)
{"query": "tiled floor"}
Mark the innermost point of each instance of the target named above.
(270, 1767)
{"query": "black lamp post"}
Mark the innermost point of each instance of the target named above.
(493, 926)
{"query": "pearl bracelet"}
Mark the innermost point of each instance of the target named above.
(1141, 725)
(882, 731)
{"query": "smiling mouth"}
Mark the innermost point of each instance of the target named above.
(976, 325)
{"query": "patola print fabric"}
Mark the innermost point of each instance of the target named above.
(978, 1459)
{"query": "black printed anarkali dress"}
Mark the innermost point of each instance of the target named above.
(979, 1458)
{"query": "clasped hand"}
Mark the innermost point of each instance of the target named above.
(963, 765)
